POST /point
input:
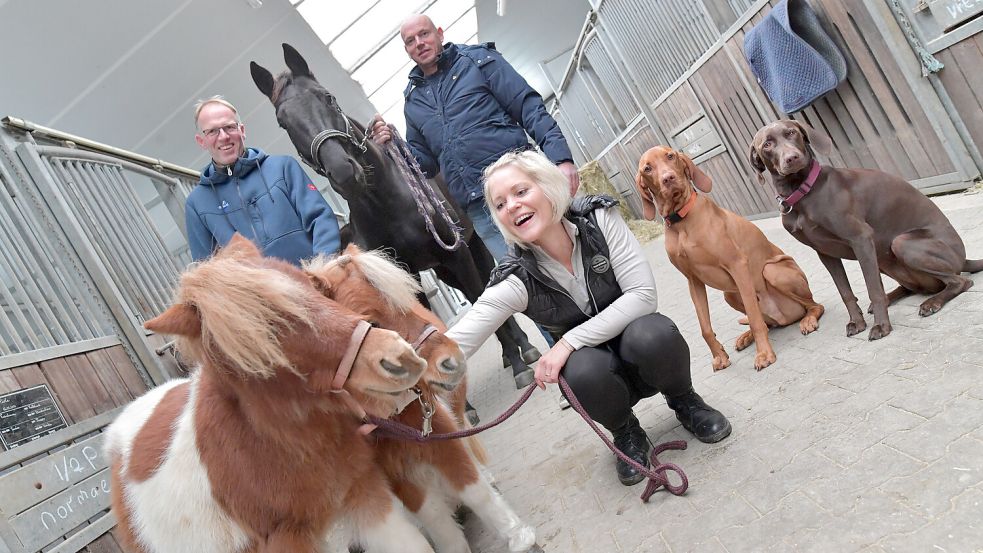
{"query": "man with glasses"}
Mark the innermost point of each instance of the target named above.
(268, 199)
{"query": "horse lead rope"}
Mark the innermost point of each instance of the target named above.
(423, 193)
(656, 475)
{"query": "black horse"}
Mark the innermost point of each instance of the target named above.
(384, 213)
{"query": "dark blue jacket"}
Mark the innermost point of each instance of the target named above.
(268, 199)
(472, 110)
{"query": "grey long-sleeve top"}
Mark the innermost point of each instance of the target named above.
(508, 297)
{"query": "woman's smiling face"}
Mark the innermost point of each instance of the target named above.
(519, 203)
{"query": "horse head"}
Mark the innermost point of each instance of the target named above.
(325, 138)
(370, 283)
(259, 326)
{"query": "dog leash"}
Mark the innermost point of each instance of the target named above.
(657, 475)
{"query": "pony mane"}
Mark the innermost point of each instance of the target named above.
(397, 287)
(243, 307)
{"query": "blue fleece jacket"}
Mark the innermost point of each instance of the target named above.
(268, 199)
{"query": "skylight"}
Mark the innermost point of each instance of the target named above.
(364, 38)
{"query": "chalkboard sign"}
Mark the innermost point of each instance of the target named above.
(28, 414)
(950, 13)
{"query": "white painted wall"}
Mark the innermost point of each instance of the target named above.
(127, 72)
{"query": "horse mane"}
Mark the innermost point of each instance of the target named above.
(282, 80)
(397, 287)
(243, 307)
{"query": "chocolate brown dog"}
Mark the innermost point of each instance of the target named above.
(876, 218)
(714, 247)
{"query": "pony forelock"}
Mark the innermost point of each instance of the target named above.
(243, 307)
(397, 287)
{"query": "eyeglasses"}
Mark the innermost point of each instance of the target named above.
(230, 129)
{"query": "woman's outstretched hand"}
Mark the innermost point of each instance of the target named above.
(549, 366)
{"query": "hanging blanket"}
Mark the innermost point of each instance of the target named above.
(793, 58)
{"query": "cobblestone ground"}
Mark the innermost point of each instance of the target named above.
(842, 445)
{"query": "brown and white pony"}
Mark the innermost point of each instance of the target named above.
(433, 478)
(254, 452)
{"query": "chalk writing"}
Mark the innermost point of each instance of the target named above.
(72, 464)
(950, 13)
(79, 497)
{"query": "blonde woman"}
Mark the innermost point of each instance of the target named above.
(574, 267)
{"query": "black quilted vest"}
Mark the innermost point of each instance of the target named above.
(549, 304)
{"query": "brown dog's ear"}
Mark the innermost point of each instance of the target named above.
(648, 202)
(699, 178)
(755, 159)
(819, 141)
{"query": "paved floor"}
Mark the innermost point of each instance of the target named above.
(842, 445)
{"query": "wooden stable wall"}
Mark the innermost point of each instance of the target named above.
(84, 386)
(631, 88)
(962, 78)
(876, 118)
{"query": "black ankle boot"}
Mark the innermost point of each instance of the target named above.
(633, 442)
(705, 422)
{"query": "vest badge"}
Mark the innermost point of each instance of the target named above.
(600, 264)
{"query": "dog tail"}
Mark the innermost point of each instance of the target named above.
(973, 265)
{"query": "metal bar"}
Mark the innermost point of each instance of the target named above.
(43, 354)
(117, 239)
(48, 253)
(18, 315)
(90, 259)
(143, 268)
(156, 259)
(34, 128)
(96, 232)
(37, 306)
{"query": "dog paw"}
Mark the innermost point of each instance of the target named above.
(744, 340)
(929, 308)
(853, 327)
(720, 362)
(763, 359)
(808, 325)
(879, 331)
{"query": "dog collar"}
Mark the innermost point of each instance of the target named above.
(677, 216)
(785, 204)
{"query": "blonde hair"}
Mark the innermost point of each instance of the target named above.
(217, 99)
(542, 171)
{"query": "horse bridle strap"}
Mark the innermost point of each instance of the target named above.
(428, 331)
(348, 360)
(323, 136)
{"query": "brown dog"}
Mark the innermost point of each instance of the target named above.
(871, 216)
(712, 246)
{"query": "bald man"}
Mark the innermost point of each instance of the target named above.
(465, 106)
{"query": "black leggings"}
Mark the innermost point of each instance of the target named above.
(649, 357)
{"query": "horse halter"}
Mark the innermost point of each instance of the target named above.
(426, 406)
(323, 136)
(427, 332)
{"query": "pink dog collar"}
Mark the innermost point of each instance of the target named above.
(785, 204)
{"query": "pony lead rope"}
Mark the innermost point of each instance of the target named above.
(656, 475)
